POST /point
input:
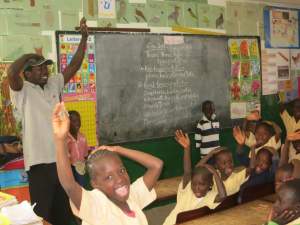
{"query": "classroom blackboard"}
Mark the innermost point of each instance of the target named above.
(148, 85)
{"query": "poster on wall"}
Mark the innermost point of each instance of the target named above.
(107, 9)
(245, 82)
(283, 64)
(80, 93)
(281, 27)
(82, 86)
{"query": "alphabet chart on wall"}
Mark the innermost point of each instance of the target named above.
(80, 92)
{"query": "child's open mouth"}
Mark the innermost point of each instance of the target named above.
(122, 191)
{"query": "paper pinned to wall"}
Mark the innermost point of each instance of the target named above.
(244, 18)
(13, 4)
(173, 40)
(269, 70)
(13, 46)
(191, 16)
(157, 14)
(295, 59)
(238, 110)
(69, 19)
(211, 16)
(107, 9)
(21, 22)
(283, 64)
(281, 27)
(49, 16)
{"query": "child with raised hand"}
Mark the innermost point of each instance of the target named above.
(195, 189)
(113, 200)
(290, 120)
(263, 144)
(266, 134)
(290, 152)
(224, 163)
(249, 126)
(78, 147)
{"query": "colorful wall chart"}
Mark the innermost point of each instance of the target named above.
(245, 83)
(80, 92)
(82, 86)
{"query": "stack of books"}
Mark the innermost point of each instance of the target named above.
(7, 200)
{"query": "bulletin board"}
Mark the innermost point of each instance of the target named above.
(281, 27)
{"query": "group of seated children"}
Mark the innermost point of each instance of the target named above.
(114, 200)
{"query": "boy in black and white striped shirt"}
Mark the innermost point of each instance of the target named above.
(207, 130)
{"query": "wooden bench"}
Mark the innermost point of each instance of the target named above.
(229, 202)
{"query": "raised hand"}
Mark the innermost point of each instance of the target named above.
(254, 116)
(239, 135)
(293, 136)
(60, 121)
(182, 139)
(84, 28)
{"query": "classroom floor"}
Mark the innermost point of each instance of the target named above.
(157, 215)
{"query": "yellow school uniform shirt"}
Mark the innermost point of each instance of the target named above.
(289, 122)
(186, 200)
(234, 181)
(250, 141)
(295, 222)
(96, 208)
(292, 153)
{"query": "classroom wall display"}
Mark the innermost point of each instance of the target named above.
(280, 72)
(82, 86)
(245, 82)
(150, 85)
(244, 18)
(281, 27)
(8, 125)
(80, 92)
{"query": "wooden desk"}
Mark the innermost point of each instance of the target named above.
(269, 198)
(167, 188)
(251, 213)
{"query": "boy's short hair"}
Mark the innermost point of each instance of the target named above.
(223, 150)
(294, 187)
(267, 126)
(205, 103)
(95, 157)
(203, 171)
(74, 112)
